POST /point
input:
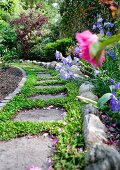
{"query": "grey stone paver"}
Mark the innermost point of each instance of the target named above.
(48, 96)
(40, 115)
(44, 75)
(47, 86)
(21, 153)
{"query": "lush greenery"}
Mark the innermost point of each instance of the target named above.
(59, 45)
(64, 158)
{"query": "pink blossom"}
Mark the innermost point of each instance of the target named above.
(34, 168)
(55, 140)
(85, 39)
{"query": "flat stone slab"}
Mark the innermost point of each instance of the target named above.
(22, 153)
(44, 75)
(40, 115)
(48, 96)
(47, 86)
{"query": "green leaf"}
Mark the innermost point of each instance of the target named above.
(94, 48)
(103, 100)
(86, 100)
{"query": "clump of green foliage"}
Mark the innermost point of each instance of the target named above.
(60, 45)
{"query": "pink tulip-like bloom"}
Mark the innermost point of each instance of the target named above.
(85, 39)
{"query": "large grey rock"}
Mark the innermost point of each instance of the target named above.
(89, 109)
(48, 65)
(89, 95)
(75, 70)
(102, 157)
(87, 86)
(53, 64)
(94, 130)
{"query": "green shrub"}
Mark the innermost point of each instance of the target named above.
(60, 45)
(7, 43)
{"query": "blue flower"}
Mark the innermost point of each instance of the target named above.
(99, 26)
(96, 72)
(108, 34)
(99, 20)
(94, 27)
(77, 50)
(75, 60)
(64, 74)
(113, 103)
(111, 53)
(108, 24)
(116, 86)
(58, 66)
(57, 55)
(111, 81)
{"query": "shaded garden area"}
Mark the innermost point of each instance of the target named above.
(67, 114)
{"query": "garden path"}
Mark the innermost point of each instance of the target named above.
(32, 151)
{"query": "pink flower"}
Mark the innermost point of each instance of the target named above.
(85, 39)
(55, 140)
(34, 168)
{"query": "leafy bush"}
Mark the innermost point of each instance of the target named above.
(7, 42)
(29, 24)
(60, 45)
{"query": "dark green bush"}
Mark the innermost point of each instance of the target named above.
(60, 45)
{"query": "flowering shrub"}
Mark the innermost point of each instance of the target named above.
(65, 66)
(92, 49)
(85, 39)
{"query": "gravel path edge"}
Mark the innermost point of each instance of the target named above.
(17, 90)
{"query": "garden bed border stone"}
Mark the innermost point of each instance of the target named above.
(17, 90)
(99, 155)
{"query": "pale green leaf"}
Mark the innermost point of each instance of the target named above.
(101, 102)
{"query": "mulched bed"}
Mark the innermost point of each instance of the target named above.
(9, 80)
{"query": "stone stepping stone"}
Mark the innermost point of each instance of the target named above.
(44, 75)
(48, 96)
(40, 115)
(47, 86)
(22, 153)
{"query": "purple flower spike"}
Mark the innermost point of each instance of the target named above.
(96, 72)
(57, 55)
(113, 103)
(64, 74)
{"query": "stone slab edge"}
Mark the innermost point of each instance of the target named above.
(17, 90)
(93, 128)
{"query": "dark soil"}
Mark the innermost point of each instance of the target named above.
(9, 80)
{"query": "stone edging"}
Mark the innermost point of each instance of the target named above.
(17, 90)
(99, 156)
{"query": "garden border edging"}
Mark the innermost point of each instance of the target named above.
(100, 156)
(16, 91)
